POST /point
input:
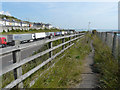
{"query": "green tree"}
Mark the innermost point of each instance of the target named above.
(4, 31)
(8, 30)
(94, 31)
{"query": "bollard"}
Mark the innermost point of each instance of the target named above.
(16, 59)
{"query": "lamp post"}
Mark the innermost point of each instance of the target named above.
(89, 26)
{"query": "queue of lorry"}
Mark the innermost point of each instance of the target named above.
(8, 40)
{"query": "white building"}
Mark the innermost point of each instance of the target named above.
(48, 26)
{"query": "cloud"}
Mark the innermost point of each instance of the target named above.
(5, 13)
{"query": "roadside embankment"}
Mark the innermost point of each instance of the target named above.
(66, 72)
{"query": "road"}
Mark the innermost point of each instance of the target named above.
(8, 60)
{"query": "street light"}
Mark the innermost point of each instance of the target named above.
(89, 26)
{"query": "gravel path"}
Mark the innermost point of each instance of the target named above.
(89, 78)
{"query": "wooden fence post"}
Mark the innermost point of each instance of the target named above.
(114, 46)
(63, 40)
(16, 59)
(50, 46)
(102, 36)
(70, 41)
(106, 37)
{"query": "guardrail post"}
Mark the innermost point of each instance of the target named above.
(16, 59)
(50, 46)
(63, 40)
(114, 46)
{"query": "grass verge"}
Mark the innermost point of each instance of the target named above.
(78, 56)
(67, 71)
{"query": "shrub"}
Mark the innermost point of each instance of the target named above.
(105, 65)
(4, 31)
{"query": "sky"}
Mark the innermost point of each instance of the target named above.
(72, 15)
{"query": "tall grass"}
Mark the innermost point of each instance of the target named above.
(71, 66)
(105, 65)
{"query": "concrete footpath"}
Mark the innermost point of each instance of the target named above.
(89, 78)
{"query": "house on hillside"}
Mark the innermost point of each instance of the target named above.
(48, 26)
(39, 25)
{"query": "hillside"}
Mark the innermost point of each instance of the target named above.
(10, 18)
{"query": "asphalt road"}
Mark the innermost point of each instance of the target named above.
(8, 59)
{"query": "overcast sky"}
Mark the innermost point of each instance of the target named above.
(102, 15)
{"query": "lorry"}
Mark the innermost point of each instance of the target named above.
(21, 37)
(9, 39)
(58, 33)
(50, 34)
(39, 35)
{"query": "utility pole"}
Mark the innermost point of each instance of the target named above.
(89, 26)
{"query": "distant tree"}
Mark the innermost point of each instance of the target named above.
(94, 31)
(45, 28)
(18, 30)
(8, 30)
(22, 30)
(26, 30)
(4, 31)
(30, 29)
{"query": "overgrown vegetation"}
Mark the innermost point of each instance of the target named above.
(105, 65)
(66, 72)
(9, 18)
(9, 77)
